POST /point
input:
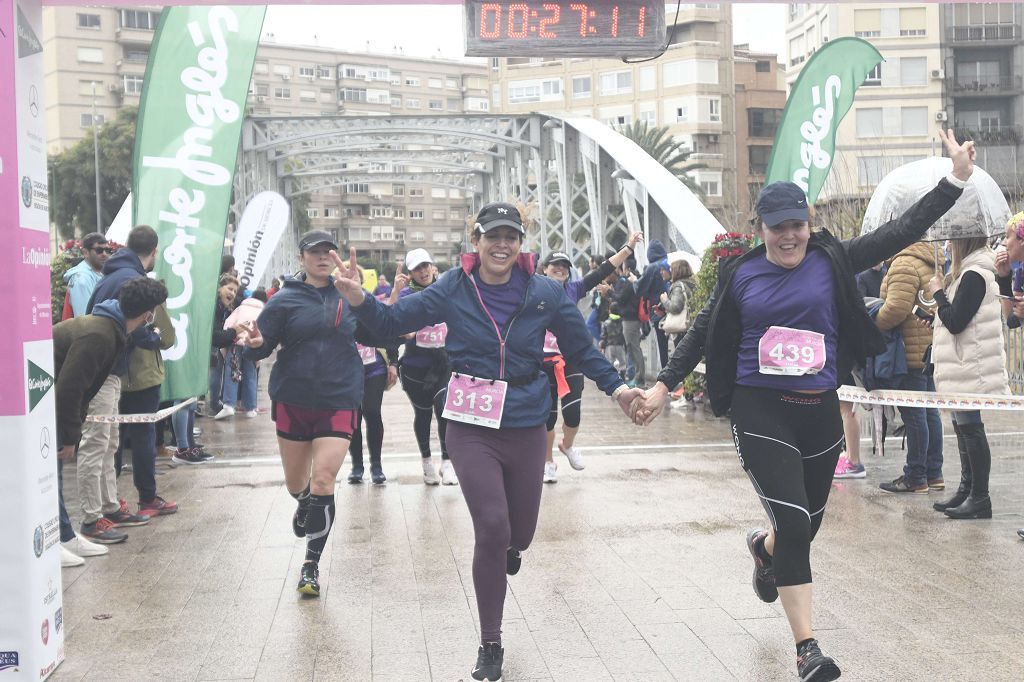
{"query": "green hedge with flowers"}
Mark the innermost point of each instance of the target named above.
(69, 254)
(727, 245)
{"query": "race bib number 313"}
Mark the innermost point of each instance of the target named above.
(791, 352)
(475, 401)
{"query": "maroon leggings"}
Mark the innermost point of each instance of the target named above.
(501, 473)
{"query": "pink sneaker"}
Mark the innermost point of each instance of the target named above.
(847, 469)
(842, 464)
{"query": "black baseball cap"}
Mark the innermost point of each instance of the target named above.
(499, 214)
(316, 238)
(782, 201)
(557, 257)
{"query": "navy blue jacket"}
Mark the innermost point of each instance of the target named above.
(318, 366)
(652, 284)
(122, 267)
(474, 348)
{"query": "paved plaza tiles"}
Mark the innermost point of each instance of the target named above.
(639, 571)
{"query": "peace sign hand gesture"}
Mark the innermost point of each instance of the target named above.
(347, 282)
(962, 154)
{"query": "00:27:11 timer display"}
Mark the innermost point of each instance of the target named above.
(518, 20)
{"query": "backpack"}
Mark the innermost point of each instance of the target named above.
(887, 368)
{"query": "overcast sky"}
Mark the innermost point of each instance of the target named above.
(424, 31)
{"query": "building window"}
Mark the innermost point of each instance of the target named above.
(710, 182)
(380, 212)
(580, 87)
(434, 83)
(415, 191)
(384, 233)
(261, 68)
(415, 214)
(914, 121)
(313, 212)
(323, 71)
(867, 23)
(689, 71)
(758, 156)
(412, 103)
(869, 122)
(762, 66)
(874, 76)
(715, 110)
(437, 192)
(412, 81)
(763, 122)
(90, 55)
(437, 214)
(283, 70)
(132, 85)
(398, 213)
(649, 117)
(454, 215)
(327, 95)
(913, 71)
(357, 188)
(417, 236)
(620, 120)
(977, 75)
(682, 114)
(617, 83)
(86, 120)
(359, 234)
(89, 21)
(353, 94)
(451, 83)
(307, 71)
(282, 93)
(396, 101)
(136, 56)
(307, 95)
(439, 237)
(331, 212)
(913, 22)
(435, 104)
(139, 19)
(454, 104)
(648, 78)
(398, 190)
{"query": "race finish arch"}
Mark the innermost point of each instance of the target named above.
(555, 163)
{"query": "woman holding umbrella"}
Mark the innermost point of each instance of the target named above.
(784, 323)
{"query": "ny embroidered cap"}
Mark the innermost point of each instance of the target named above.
(316, 238)
(558, 257)
(499, 214)
(782, 201)
(416, 258)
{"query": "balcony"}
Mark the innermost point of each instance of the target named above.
(985, 85)
(984, 33)
(990, 134)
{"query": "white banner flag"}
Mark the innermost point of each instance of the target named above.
(261, 227)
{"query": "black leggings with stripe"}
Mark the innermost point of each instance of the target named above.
(572, 400)
(424, 388)
(789, 443)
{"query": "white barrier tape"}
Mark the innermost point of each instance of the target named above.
(138, 418)
(946, 401)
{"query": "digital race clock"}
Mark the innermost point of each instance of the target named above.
(566, 28)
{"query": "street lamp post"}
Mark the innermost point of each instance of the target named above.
(96, 156)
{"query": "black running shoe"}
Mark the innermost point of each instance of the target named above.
(813, 666)
(764, 573)
(299, 519)
(1020, 533)
(356, 476)
(309, 580)
(488, 662)
(513, 560)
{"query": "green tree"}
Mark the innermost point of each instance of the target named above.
(73, 177)
(657, 142)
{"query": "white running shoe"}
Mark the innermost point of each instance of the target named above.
(448, 476)
(83, 547)
(429, 472)
(69, 558)
(225, 412)
(251, 414)
(574, 455)
(550, 472)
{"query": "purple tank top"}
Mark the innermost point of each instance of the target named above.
(802, 298)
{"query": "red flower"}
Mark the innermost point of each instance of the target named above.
(737, 252)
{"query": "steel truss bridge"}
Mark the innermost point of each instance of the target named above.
(584, 186)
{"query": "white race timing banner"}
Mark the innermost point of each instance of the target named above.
(942, 401)
(138, 418)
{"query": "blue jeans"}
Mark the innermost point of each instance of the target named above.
(67, 531)
(143, 439)
(965, 417)
(924, 432)
(248, 368)
(593, 326)
(182, 422)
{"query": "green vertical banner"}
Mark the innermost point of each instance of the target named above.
(186, 144)
(805, 143)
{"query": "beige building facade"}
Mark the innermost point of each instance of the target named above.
(689, 89)
(760, 99)
(96, 60)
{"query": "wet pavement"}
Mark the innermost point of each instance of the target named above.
(639, 570)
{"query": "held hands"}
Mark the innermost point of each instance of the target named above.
(347, 282)
(628, 400)
(650, 405)
(962, 154)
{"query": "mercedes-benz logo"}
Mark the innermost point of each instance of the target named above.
(44, 442)
(33, 101)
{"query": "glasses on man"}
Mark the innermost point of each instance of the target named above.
(103, 249)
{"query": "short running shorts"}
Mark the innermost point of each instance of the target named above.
(305, 423)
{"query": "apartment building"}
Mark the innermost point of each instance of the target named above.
(983, 64)
(899, 106)
(96, 61)
(689, 89)
(760, 99)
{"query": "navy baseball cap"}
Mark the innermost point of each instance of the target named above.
(558, 257)
(782, 201)
(499, 214)
(316, 238)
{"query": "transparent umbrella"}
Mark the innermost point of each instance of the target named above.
(981, 211)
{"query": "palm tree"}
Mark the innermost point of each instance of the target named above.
(659, 144)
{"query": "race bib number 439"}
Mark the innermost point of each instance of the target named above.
(475, 401)
(791, 352)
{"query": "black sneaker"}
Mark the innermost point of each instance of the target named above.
(356, 476)
(299, 519)
(377, 475)
(202, 454)
(812, 665)
(764, 573)
(185, 456)
(488, 662)
(513, 560)
(309, 579)
(902, 485)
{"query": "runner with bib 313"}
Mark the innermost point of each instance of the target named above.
(783, 324)
(496, 309)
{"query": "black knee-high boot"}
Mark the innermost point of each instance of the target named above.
(978, 504)
(965, 475)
